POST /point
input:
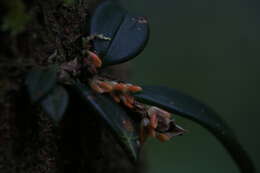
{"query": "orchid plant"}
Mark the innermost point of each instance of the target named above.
(132, 112)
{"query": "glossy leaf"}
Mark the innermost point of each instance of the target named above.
(129, 34)
(115, 117)
(40, 81)
(55, 103)
(188, 107)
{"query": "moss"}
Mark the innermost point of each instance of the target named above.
(15, 18)
(68, 2)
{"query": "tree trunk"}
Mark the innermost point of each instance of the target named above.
(29, 141)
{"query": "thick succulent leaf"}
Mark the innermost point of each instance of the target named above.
(129, 34)
(188, 107)
(115, 117)
(40, 81)
(56, 102)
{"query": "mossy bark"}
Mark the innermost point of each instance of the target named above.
(29, 141)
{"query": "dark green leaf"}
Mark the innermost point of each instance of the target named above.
(115, 117)
(56, 102)
(186, 106)
(129, 34)
(40, 81)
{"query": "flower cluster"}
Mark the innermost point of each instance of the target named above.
(159, 124)
(155, 122)
(120, 92)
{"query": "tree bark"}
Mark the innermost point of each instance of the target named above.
(29, 141)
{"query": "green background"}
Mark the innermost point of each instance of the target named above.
(210, 50)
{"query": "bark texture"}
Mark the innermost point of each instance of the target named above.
(29, 141)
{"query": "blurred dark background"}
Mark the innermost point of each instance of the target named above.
(210, 50)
